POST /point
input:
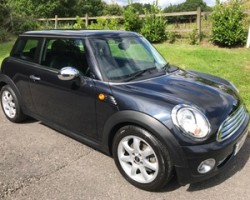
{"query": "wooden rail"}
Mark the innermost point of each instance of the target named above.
(86, 18)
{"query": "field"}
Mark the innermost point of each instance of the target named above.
(232, 64)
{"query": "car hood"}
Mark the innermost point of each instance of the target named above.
(213, 96)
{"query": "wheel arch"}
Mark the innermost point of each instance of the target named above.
(156, 128)
(5, 80)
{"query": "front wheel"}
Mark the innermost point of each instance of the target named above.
(142, 159)
(10, 105)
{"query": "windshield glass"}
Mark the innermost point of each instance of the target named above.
(127, 58)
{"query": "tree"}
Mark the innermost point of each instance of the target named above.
(113, 9)
(140, 8)
(4, 13)
(90, 7)
(188, 5)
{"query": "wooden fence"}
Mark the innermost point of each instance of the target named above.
(87, 19)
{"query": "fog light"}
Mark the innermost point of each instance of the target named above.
(206, 166)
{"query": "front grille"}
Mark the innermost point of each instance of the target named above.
(232, 124)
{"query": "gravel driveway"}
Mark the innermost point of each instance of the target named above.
(37, 162)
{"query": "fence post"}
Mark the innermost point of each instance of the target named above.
(248, 38)
(199, 23)
(86, 20)
(56, 21)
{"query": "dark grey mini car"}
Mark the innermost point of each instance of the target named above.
(113, 91)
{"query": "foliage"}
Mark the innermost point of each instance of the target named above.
(154, 26)
(79, 23)
(113, 9)
(90, 7)
(227, 24)
(3, 35)
(22, 24)
(194, 37)
(188, 5)
(171, 36)
(62, 8)
(132, 21)
(139, 7)
(111, 24)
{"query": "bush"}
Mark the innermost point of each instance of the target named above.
(111, 24)
(24, 23)
(132, 21)
(154, 26)
(227, 24)
(79, 23)
(171, 36)
(3, 35)
(193, 37)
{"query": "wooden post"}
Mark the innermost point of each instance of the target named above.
(199, 23)
(248, 38)
(56, 21)
(86, 21)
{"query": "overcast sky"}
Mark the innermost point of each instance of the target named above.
(162, 3)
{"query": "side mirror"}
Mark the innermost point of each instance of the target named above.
(68, 73)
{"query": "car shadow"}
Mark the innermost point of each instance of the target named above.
(236, 165)
(29, 120)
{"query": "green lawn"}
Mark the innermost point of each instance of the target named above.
(5, 49)
(232, 64)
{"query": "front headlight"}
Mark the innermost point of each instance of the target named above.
(191, 121)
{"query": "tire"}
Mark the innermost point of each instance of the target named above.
(10, 105)
(141, 158)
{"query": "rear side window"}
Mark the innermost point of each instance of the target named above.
(26, 49)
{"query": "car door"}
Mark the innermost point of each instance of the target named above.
(66, 104)
(21, 63)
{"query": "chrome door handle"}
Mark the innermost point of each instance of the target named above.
(35, 78)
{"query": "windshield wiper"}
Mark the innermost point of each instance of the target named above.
(138, 74)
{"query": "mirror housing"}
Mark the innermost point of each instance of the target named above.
(68, 73)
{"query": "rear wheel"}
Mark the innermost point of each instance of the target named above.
(141, 158)
(10, 105)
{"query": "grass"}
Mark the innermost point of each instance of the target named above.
(5, 49)
(231, 64)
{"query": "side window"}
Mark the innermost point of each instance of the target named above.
(26, 49)
(59, 53)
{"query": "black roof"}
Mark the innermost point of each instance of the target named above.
(80, 33)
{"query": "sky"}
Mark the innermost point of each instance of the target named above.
(162, 3)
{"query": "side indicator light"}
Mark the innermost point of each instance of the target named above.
(101, 97)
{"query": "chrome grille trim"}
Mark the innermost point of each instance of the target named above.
(232, 124)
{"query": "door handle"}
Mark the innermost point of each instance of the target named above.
(35, 78)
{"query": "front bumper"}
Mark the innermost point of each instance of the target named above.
(222, 152)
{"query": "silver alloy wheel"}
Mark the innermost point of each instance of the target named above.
(8, 103)
(138, 159)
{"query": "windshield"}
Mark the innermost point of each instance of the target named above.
(127, 58)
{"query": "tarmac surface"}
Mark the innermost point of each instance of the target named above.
(37, 162)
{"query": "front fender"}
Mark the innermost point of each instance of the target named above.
(147, 122)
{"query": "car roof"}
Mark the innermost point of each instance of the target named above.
(81, 33)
